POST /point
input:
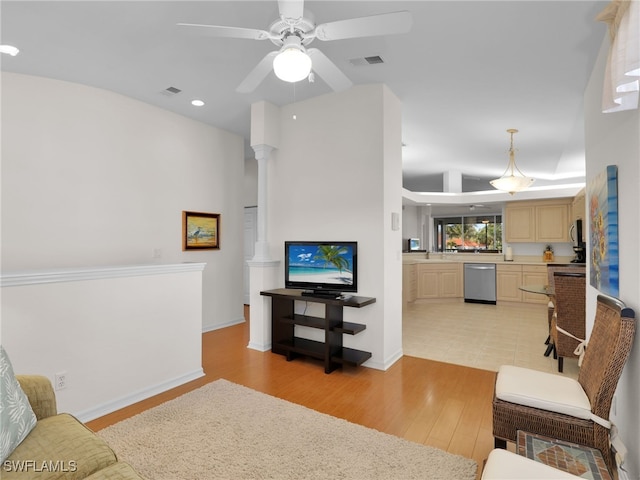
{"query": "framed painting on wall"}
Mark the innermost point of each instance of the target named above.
(602, 194)
(200, 231)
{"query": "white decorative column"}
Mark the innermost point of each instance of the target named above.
(261, 252)
(263, 276)
(452, 181)
(263, 269)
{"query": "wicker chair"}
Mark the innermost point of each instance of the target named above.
(568, 321)
(552, 268)
(559, 407)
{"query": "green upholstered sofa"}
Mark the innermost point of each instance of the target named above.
(60, 446)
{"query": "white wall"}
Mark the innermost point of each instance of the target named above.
(337, 176)
(118, 334)
(411, 224)
(392, 246)
(90, 177)
(613, 139)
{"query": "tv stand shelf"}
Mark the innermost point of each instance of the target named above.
(331, 351)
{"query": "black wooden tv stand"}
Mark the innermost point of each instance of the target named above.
(331, 351)
(321, 294)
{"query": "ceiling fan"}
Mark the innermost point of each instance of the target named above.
(476, 205)
(293, 31)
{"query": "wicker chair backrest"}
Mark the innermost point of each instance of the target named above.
(570, 293)
(553, 268)
(609, 346)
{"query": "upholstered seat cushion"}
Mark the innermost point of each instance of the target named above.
(505, 465)
(117, 471)
(58, 447)
(542, 390)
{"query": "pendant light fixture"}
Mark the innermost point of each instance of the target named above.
(510, 181)
(292, 64)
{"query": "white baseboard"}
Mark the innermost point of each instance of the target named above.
(117, 404)
(259, 347)
(384, 366)
(211, 328)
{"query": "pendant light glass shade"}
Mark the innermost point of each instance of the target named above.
(292, 64)
(510, 181)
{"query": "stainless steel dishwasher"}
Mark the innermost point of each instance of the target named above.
(480, 283)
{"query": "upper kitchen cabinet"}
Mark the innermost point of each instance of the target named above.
(552, 223)
(578, 208)
(520, 222)
(540, 221)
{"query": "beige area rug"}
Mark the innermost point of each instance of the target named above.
(227, 431)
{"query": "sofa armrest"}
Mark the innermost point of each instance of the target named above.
(40, 393)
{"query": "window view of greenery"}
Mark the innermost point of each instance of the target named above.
(469, 233)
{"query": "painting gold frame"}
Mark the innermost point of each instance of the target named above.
(200, 231)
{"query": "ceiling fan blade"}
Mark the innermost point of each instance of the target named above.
(258, 74)
(229, 32)
(291, 8)
(383, 24)
(328, 71)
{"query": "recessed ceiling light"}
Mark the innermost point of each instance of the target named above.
(197, 103)
(9, 49)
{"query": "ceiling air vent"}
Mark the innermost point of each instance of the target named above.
(170, 91)
(373, 60)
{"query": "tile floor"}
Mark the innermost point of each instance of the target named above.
(481, 336)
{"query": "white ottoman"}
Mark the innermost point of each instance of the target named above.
(506, 465)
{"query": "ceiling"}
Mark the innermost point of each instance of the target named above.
(465, 73)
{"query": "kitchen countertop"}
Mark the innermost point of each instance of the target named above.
(420, 258)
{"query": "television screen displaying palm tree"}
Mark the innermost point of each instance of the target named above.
(321, 266)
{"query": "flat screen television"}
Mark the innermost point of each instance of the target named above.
(321, 268)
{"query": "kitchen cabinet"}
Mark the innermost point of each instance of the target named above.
(534, 275)
(427, 281)
(520, 223)
(441, 280)
(578, 207)
(552, 223)
(545, 221)
(508, 279)
(438, 280)
(409, 283)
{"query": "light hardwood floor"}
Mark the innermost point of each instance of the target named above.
(426, 401)
(438, 404)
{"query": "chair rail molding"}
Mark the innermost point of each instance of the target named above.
(77, 274)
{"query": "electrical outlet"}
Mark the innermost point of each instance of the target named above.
(61, 381)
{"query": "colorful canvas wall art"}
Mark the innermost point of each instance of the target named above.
(602, 194)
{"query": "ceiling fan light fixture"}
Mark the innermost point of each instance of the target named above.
(292, 64)
(512, 180)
